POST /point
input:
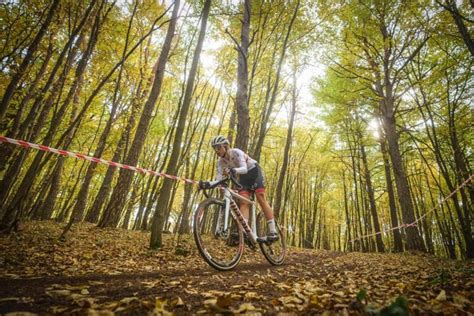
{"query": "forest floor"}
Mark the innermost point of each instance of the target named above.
(112, 271)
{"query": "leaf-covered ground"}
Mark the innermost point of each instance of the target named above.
(102, 272)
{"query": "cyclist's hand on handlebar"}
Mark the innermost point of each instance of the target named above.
(229, 171)
(204, 185)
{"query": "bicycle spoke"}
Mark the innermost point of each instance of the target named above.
(220, 243)
(275, 251)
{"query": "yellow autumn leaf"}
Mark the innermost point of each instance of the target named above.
(179, 302)
(244, 308)
(160, 308)
(441, 296)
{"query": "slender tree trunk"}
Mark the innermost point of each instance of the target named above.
(461, 175)
(7, 151)
(286, 153)
(10, 90)
(64, 210)
(232, 124)
(414, 240)
(186, 208)
(16, 206)
(159, 217)
(356, 197)
(370, 193)
(241, 100)
(13, 170)
(130, 207)
(80, 205)
(452, 8)
(93, 214)
(397, 238)
(119, 195)
(346, 211)
(263, 127)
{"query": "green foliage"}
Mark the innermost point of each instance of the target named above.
(397, 308)
(442, 278)
(361, 295)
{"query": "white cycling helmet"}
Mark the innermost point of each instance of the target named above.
(219, 140)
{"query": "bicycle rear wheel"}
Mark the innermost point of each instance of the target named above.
(221, 246)
(274, 252)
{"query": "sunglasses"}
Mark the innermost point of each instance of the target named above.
(216, 147)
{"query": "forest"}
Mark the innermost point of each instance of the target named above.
(360, 113)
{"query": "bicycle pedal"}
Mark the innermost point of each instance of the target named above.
(271, 238)
(250, 244)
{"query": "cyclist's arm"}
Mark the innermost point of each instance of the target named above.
(220, 171)
(242, 168)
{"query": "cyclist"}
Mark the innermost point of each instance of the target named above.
(233, 161)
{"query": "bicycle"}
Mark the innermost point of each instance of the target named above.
(219, 222)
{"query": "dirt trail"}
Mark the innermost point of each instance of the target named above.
(187, 282)
(113, 272)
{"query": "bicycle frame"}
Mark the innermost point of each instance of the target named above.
(231, 205)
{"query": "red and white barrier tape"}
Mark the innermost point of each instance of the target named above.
(421, 217)
(61, 152)
(93, 159)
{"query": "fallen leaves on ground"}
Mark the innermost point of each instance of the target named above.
(112, 271)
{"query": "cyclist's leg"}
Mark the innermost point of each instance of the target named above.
(262, 201)
(259, 188)
(265, 206)
(268, 212)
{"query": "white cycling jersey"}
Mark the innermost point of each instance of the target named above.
(240, 161)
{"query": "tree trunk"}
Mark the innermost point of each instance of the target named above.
(232, 123)
(14, 210)
(6, 152)
(163, 200)
(27, 60)
(346, 212)
(186, 210)
(130, 207)
(14, 169)
(360, 243)
(82, 197)
(370, 193)
(286, 153)
(119, 195)
(452, 8)
(263, 126)
(462, 174)
(397, 238)
(241, 100)
(93, 214)
(414, 240)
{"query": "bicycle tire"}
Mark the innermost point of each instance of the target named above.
(274, 252)
(216, 248)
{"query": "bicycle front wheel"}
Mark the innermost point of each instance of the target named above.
(274, 252)
(219, 240)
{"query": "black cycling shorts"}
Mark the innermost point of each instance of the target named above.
(253, 180)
